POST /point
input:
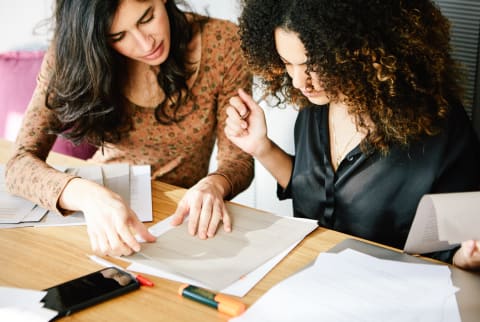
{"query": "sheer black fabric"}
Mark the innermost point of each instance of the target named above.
(373, 196)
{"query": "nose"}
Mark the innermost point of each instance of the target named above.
(144, 40)
(300, 79)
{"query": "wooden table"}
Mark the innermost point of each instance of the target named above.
(37, 258)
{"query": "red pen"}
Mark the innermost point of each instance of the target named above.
(141, 279)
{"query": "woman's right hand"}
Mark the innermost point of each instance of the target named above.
(111, 223)
(246, 128)
(245, 125)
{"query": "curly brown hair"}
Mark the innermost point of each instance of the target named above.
(390, 58)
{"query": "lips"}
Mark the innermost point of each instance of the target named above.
(156, 53)
(311, 93)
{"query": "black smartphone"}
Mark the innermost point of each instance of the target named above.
(87, 290)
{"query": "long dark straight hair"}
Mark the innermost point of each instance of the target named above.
(86, 86)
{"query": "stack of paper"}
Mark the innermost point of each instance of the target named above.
(22, 305)
(131, 182)
(351, 286)
(230, 262)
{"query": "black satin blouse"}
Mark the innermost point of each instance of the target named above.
(374, 196)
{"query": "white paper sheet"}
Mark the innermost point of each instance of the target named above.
(458, 216)
(116, 177)
(442, 221)
(354, 287)
(141, 192)
(131, 182)
(90, 172)
(12, 208)
(23, 305)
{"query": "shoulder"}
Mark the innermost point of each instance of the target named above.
(457, 122)
(220, 31)
(457, 113)
(455, 138)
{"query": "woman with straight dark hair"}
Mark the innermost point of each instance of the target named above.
(381, 121)
(147, 83)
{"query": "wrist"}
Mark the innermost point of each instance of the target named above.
(221, 182)
(70, 198)
(263, 149)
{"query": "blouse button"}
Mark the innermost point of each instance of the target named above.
(350, 158)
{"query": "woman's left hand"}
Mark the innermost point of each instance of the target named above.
(468, 256)
(204, 205)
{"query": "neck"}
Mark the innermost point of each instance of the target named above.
(344, 135)
(142, 86)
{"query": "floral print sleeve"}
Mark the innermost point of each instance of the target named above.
(27, 174)
(233, 163)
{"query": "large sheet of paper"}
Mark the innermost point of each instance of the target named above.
(217, 263)
(442, 221)
(354, 287)
(239, 288)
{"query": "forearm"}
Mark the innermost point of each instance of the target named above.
(31, 178)
(276, 161)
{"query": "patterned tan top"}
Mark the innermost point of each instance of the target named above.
(178, 153)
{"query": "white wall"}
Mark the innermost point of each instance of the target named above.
(225, 9)
(20, 17)
(280, 124)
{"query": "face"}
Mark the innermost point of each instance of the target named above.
(294, 56)
(141, 31)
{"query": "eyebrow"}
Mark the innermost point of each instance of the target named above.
(145, 14)
(147, 11)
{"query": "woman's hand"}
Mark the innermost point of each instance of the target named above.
(246, 126)
(111, 224)
(468, 256)
(204, 205)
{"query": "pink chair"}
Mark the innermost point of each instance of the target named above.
(18, 74)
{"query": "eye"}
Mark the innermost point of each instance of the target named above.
(116, 37)
(149, 17)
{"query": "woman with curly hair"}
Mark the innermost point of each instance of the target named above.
(148, 84)
(381, 121)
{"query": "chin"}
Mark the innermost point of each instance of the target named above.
(155, 62)
(319, 100)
